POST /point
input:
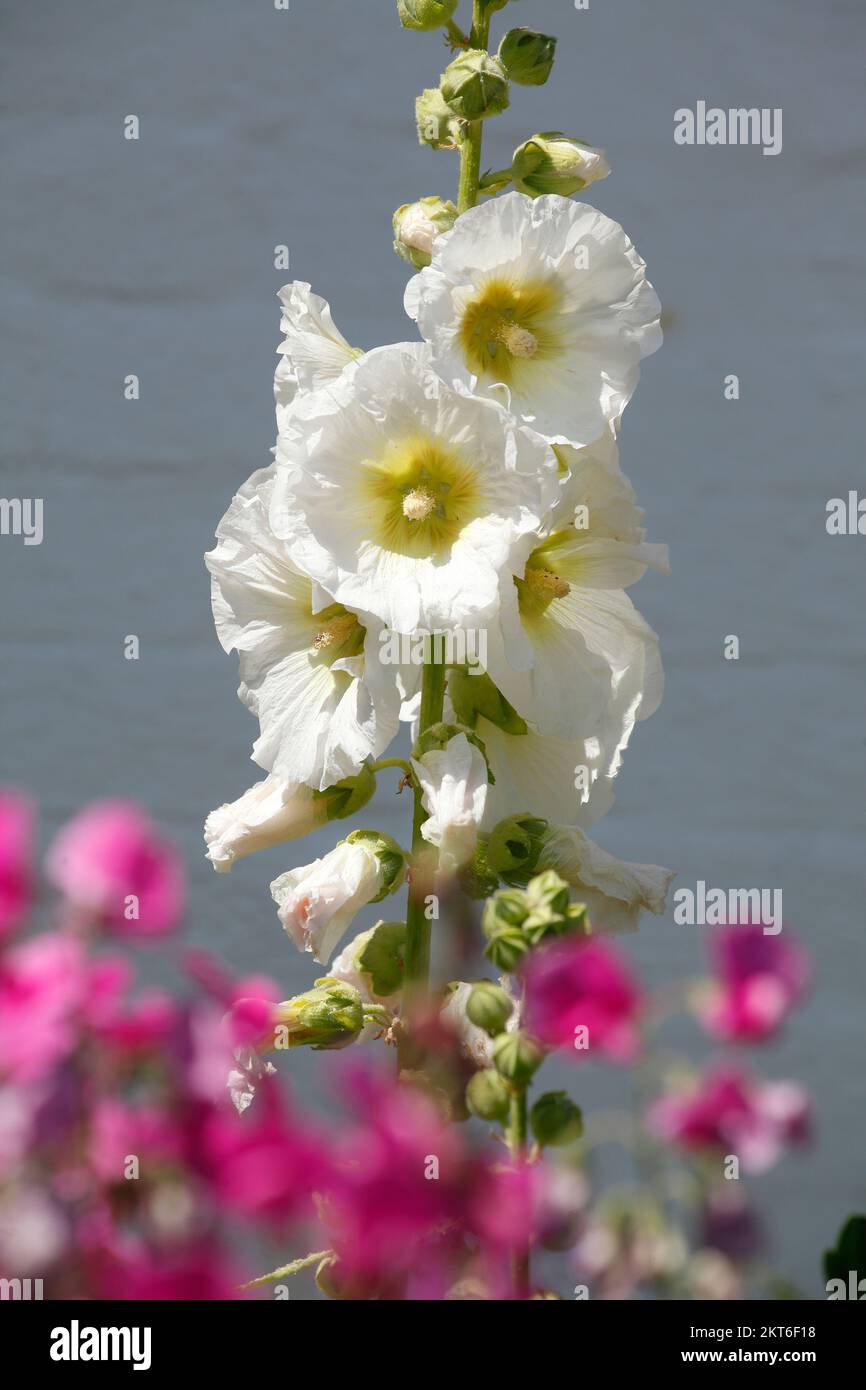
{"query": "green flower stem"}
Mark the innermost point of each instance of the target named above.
(286, 1271)
(382, 764)
(517, 1135)
(470, 148)
(418, 925)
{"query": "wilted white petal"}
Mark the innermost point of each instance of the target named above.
(317, 902)
(614, 891)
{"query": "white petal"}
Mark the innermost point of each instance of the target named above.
(615, 892)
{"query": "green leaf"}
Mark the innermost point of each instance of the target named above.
(382, 957)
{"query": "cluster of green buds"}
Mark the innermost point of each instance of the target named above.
(517, 919)
(417, 225)
(555, 163)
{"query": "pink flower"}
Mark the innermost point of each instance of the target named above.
(110, 862)
(728, 1111)
(580, 995)
(403, 1178)
(119, 1131)
(264, 1165)
(42, 985)
(17, 822)
(758, 980)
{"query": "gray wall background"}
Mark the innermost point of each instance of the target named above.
(260, 127)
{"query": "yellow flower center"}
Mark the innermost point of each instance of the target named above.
(420, 493)
(509, 322)
(337, 634)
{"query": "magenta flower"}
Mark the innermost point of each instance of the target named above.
(42, 985)
(758, 980)
(402, 1177)
(110, 863)
(581, 996)
(17, 823)
(727, 1111)
(263, 1165)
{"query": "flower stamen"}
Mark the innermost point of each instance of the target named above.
(547, 584)
(418, 504)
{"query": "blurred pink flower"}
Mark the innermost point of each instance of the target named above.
(758, 980)
(17, 829)
(263, 1165)
(118, 1130)
(42, 985)
(578, 984)
(728, 1111)
(401, 1177)
(109, 861)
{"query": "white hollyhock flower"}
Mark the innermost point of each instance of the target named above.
(453, 780)
(267, 814)
(309, 667)
(403, 497)
(615, 892)
(316, 902)
(569, 642)
(313, 351)
(546, 297)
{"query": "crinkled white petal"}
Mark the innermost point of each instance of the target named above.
(606, 320)
(316, 903)
(319, 722)
(321, 509)
(614, 891)
(242, 1081)
(313, 351)
(267, 814)
(454, 784)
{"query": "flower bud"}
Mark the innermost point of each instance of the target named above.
(554, 163)
(417, 225)
(487, 1096)
(506, 949)
(425, 14)
(475, 85)
(489, 1007)
(437, 125)
(527, 56)
(549, 911)
(514, 847)
(506, 909)
(326, 1017)
(555, 1119)
(517, 1057)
